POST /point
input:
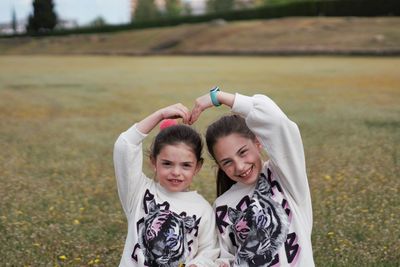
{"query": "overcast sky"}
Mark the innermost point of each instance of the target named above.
(83, 11)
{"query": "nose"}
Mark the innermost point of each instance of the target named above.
(240, 166)
(176, 171)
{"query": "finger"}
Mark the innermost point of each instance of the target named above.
(187, 115)
(184, 113)
(191, 121)
(195, 114)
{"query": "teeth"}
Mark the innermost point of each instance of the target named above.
(175, 180)
(246, 173)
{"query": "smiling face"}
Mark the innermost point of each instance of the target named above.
(239, 158)
(176, 165)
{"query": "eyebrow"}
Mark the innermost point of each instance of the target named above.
(239, 150)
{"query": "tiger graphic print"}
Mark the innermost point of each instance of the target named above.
(163, 237)
(259, 230)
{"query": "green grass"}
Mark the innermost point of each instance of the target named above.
(60, 116)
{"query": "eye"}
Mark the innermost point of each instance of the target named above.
(187, 165)
(171, 239)
(243, 152)
(171, 242)
(226, 163)
(166, 163)
(262, 221)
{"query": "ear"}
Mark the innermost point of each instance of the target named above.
(258, 144)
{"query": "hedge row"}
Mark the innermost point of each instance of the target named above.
(359, 8)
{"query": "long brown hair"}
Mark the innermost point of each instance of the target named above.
(225, 126)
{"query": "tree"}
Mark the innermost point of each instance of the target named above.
(186, 9)
(173, 8)
(43, 18)
(220, 5)
(244, 4)
(145, 10)
(98, 22)
(14, 21)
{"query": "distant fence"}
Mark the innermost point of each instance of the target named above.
(339, 8)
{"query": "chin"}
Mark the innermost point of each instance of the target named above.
(250, 181)
(175, 189)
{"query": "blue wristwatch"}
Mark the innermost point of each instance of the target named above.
(213, 96)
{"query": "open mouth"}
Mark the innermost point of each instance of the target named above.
(175, 181)
(246, 174)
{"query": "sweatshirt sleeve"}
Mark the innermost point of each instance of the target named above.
(208, 249)
(281, 139)
(128, 162)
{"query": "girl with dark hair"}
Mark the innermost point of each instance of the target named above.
(168, 225)
(263, 210)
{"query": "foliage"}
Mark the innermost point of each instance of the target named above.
(275, 2)
(14, 21)
(43, 18)
(186, 9)
(173, 8)
(217, 6)
(98, 22)
(146, 10)
(60, 116)
(247, 4)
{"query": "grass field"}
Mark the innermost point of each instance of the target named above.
(60, 116)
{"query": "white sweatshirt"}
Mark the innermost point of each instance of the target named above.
(164, 228)
(270, 222)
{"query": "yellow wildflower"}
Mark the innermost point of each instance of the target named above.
(63, 257)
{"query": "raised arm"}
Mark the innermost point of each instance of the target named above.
(170, 112)
(204, 102)
(128, 155)
(282, 141)
(278, 134)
